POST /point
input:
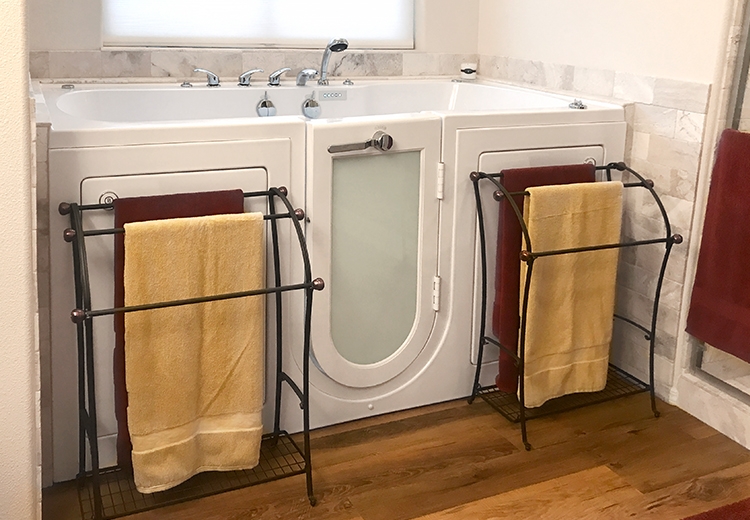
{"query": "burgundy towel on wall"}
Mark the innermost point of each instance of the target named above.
(720, 305)
(139, 209)
(505, 313)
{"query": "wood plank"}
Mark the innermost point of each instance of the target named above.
(341, 458)
(654, 463)
(453, 457)
(376, 420)
(692, 496)
(60, 502)
(563, 427)
(455, 482)
(698, 429)
(589, 494)
(439, 481)
(409, 435)
(279, 499)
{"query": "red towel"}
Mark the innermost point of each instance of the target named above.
(505, 314)
(139, 209)
(720, 305)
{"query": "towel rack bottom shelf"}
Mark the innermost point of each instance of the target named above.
(619, 384)
(120, 497)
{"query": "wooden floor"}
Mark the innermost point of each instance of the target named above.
(460, 461)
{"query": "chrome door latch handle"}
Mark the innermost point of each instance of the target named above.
(380, 141)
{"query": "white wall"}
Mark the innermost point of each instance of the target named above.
(69, 25)
(441, 26)
(19, 492)
(447, 26)
(677, 39)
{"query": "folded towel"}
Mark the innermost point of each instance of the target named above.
(571, 296)
(138, 209)
(720, 304)
(505, 314)
(195, 372)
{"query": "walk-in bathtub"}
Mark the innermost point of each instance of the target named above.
(393, 232)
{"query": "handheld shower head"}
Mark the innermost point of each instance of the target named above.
(338, 45)
(335, 45)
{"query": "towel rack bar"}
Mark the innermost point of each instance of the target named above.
(634, 324)
(499, 345)
(538, 254)
(78, 315)
(498, 195)
(64, 207)
(293, 386)
(621, 166)
(605, 167)
(118, 231)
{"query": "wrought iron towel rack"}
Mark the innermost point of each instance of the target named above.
(280, 454)
(528, 255)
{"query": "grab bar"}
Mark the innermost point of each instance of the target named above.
(380, 141)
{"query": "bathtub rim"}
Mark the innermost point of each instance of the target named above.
(69, 131)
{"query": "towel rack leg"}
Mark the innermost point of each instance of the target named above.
(279, 338)
(654, 316)
(306, 395)
(522, 352)
(483, 311)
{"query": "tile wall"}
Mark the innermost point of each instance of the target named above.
(228, 64)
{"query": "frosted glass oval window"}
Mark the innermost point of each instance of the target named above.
(374, 253)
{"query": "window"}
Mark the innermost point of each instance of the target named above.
(258, 23)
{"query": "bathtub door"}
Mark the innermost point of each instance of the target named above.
(373, 237)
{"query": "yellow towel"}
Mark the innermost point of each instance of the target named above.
(571, 297)
(194, 373)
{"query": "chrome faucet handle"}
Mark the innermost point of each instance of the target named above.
(213, 79)
(304, 75)
(274, 80)
(244, 79)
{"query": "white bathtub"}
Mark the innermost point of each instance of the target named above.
(155, 138)
(89, 109)
(158, 103)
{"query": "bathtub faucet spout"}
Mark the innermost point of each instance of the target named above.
(335, 45)
(304, 75)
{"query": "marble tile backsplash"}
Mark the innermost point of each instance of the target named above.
(228, 64)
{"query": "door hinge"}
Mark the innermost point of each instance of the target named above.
(440, 180)
(436, 293)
